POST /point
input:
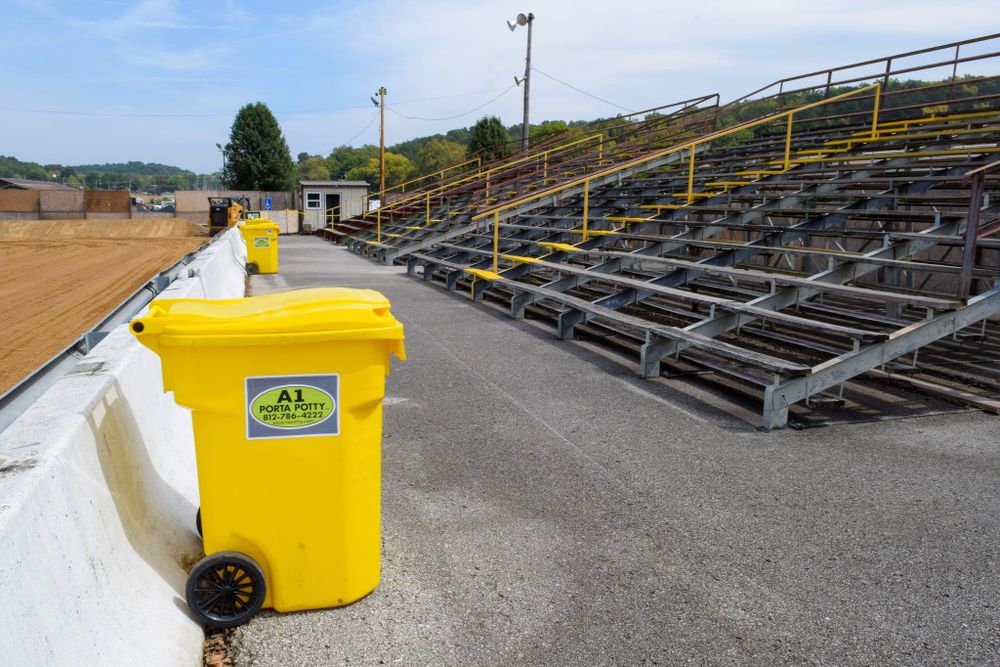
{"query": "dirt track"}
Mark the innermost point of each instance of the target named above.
(58, 279)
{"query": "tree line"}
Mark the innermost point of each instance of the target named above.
(257, 156)
(135, 176)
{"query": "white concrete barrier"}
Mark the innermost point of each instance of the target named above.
(98, 493)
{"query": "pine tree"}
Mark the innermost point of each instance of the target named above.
(489, 138)
(257, 155)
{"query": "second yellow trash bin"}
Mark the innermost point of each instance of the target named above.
(286, 397)
(261, 237)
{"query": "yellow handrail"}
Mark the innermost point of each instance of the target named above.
(485, 175)
(689, 146)
(402, 186)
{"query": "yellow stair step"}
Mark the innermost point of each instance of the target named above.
(626, 219)
(484, 274)
(520, 259)
(561, 247)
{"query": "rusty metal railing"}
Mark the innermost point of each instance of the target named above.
(974, 231)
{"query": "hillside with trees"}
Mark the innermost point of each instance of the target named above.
(135, 176)
(422, 155)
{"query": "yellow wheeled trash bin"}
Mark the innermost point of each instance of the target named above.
(261, 237)
(285, 392)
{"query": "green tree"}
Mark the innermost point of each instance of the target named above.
(489, 138)
(314, 169)
(345, 158)
(397, 169)
(437, 154)
(257, 155)
(551, 128)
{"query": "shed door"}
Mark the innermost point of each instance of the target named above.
(333, 212)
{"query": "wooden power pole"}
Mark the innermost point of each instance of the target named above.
(381, 159)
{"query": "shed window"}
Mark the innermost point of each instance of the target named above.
(313, 200)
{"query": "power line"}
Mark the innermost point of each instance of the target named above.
(129, 114)
(60, 112)
(356, 134)
(360, 132)
(450, 97)
(569, 85)
(459, 115)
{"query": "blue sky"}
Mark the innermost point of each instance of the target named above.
(160, 80)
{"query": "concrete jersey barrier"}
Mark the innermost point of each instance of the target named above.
(98, 492)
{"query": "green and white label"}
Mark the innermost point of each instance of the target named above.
(261, 242)
(286, 406)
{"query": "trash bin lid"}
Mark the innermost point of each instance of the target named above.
(300, 316)
(259, 226)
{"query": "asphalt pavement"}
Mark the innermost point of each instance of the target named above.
(544, 506)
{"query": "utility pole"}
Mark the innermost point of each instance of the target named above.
(525, 126)
(381, 146)
(381, 161)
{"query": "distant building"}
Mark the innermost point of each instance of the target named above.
(326, 202)
(26, 184)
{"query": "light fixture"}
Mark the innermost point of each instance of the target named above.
(520, 20)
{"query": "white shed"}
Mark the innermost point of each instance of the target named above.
(324, 202)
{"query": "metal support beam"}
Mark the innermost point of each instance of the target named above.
(976, 180)
(649, 366)
(779, 397)
(723, 224)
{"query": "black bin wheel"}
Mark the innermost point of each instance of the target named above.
(225, 589)
(252, 268)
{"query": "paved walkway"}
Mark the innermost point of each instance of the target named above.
(543, 506)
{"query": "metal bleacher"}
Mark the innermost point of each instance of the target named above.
(422, 214)
(786, 254)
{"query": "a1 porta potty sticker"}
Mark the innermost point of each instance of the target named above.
(292, 406)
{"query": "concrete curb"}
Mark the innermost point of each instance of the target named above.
(98, 492)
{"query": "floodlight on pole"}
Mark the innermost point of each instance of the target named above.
(523, 20)
(223, 152)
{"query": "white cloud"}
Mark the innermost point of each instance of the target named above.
(189, 57)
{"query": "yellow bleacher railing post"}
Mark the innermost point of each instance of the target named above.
(428, 207)
(600, 149)
(878, 97)
(788, 143)
(586, 206)
(485, 174)
(496, 239)
(378, 223)
(690, 190)
(679, 148)
(545, 167)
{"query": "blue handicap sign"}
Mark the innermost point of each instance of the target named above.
(267, 204)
